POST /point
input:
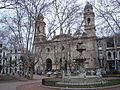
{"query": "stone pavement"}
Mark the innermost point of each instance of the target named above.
(39, 86)
(11, 85)
(35, 84)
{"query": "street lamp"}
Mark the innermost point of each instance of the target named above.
(115, 63)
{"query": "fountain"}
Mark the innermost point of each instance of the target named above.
(82, 78)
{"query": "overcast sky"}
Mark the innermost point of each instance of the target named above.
(82, 2)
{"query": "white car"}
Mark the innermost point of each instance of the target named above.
(49, 73)
(56, 72)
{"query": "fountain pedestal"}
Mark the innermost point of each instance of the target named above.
(81, 79)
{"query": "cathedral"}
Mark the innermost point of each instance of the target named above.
(65, 51)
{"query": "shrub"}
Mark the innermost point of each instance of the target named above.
(113, 72)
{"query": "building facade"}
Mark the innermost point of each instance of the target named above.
(10, 60)
(0, 57)
(14, 60)
(61, 51)
(109, 53)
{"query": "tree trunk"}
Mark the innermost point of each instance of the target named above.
(31, 73)
(27, 73)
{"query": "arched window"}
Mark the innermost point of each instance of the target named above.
(63, 48)
(48, 49)
(114, 55)
(88, 20)
(119, 54)
(109, 55)
(60, 63)
(10, 61)
(60, 60)
(38, 29)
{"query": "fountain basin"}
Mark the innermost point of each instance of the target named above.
(77, 80)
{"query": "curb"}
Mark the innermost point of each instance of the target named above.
(63, 88)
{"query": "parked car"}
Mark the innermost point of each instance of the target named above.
(43, 72)
(39, 73)
(50, 72)
(56, 72)
(88, 72)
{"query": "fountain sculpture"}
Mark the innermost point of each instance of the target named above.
(82, 78)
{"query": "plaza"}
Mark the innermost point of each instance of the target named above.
(42, 50)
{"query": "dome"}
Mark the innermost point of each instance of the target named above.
(40, 16)
(88, 5)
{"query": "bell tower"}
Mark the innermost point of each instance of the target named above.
(90, 37)
(89, 20)
(40, 35)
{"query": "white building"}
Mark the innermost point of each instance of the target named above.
(108, 55)
(14, 56)
(10, 60)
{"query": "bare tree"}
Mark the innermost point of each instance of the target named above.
(108, 13)
(22, 26)
(62, 16)
(7, 4)
(65, 16)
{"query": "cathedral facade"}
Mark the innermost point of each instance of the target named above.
(61, 51)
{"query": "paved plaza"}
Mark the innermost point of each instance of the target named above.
(12, 85)
(35, 84)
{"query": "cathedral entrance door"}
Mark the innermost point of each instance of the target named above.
(48, 64)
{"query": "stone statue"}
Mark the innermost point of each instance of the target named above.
(69, 73)
(63, 74)
(82, 72)
(98, 72)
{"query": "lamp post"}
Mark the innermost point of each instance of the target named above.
(115, 63)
